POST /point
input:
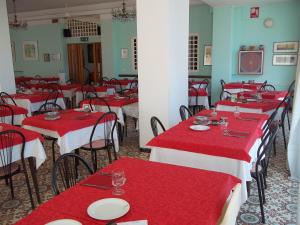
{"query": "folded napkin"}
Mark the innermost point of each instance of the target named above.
(138, 222)
(99, 180)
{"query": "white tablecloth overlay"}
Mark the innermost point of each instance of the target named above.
(18, 119)
(237, 90)
(33, 148)
(202, 100)
(35, 106)
(109, 91)
(75, 139)
(237, 168)
(132, 110)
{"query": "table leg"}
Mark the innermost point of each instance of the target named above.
(33, 171)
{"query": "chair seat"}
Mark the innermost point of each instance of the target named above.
(95, 144)
(15, 168)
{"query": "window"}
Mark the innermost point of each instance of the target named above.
(193, 52)
(82, 27)
(134, 54)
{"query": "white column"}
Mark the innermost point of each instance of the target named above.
(294, 139)
(7, 78)
(162, 31)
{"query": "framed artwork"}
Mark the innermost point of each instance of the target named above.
(286, 47)
(55, 57)
(285, 60)
(251, 62)
(46, 57)
(124, 53)
(30, 50)
(254, 12)
(13, 51)
(207, 55)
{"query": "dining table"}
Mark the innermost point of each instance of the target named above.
(19, 114)
(155, 193)
(276, 95)
(198, 97)
(236, 87)
(72, 128)
(100, 90)
(124, 83)
(32, 101)
(211, 149)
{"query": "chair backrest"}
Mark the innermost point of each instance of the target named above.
(52, 96)
(133, 84)
(4, 97)
(225, 95)
(108, 121)
(154, 121)
(268, 87)
(65, 171)
(99, 101)
(49, 107)
(118, 83)
(232, 207)
(88, 91)
(291, 88)
(6, 114)
(204, 83)
(287, 103)
(222, 82)
(269, 122)
(185, 112)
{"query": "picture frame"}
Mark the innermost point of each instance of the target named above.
(285, 60)
(254, 12)
(286, 47)
(207, 55)
(30, 50)
(46, 57)
(55, 57)
(251, 62)
(13, 51)
(124, 53)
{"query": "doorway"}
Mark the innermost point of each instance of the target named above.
(85, 62)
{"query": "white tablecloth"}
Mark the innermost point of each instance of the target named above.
(132, 110)
(237, 168)
(17, 119)
(202, 100)
(75, 139)
(79, 97)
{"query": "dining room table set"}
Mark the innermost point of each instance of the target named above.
(213, 140)
(236, 87)
(151, 193)
(12, 114)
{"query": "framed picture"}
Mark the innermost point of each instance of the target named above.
(285, 60)
(254, 12)
(251, 62)
(124, 53)
(286, 47)
(207, 55)
(46, 57)
(30, 50)
(55, 57)
(13, 51)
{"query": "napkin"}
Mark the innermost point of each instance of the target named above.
(137, 222)
(99, 179)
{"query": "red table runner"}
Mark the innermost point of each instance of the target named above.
(70, 120)
(37, 96)
(213, 142)
(264, 105)
(264, 94)
(29, 135)
(16, 109)
(251, 86)
(160, 193)
(201, 92)
(112, 102)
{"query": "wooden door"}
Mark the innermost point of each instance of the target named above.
(97, 60)
(76, 63)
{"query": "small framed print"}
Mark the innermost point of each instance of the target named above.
(207, 55)
(124, 53)
(251, 62)
(55, 57)
(30, 50)
(254, 12)
(286, 47)
(46, 57)
(285, 60)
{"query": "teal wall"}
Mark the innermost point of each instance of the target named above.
(50, 40)
(246, 31)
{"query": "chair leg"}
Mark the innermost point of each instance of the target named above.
(11, 187)
(288, 119)
(274, 145)
(33, 171)
(28, 183)
(262, 178)
(115, 153)
(109, 154)
(248, 184)
(283, 132)
(93, 160)
(261, 204)
(6, 181)
(53, 151)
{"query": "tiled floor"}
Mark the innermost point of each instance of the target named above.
(281, 193)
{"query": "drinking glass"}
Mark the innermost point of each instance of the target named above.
(224, 125)
(118, 180)
(236, 112)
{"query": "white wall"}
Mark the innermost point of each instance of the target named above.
(7, 79)
(163, 62)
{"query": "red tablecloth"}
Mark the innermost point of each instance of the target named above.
(213, 142)
(112, 101)
(28, 79)
(197, 82)
(37, 96)
(201, 92)
(70, 120)
(264, 94)
(97, 89)
(264, 105)
(160, 193)
(114, 82)
(250, 86)
(29, 135)
(16, 109)
(69, 86)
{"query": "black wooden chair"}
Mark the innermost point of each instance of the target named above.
(225, 95)
(222, 82)
(8, 168)
(286, 103)
(4, 98)
(65, 172)
(133, 84)
(268, 87)
(5, 112)
(118, 85)
(204, 83)
(154, 121)
(107, 140)
(99, 101)
(185, 113)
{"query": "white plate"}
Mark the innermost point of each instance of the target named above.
(199, 127)
(52, 118)
(64, 222)
(108, 209)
